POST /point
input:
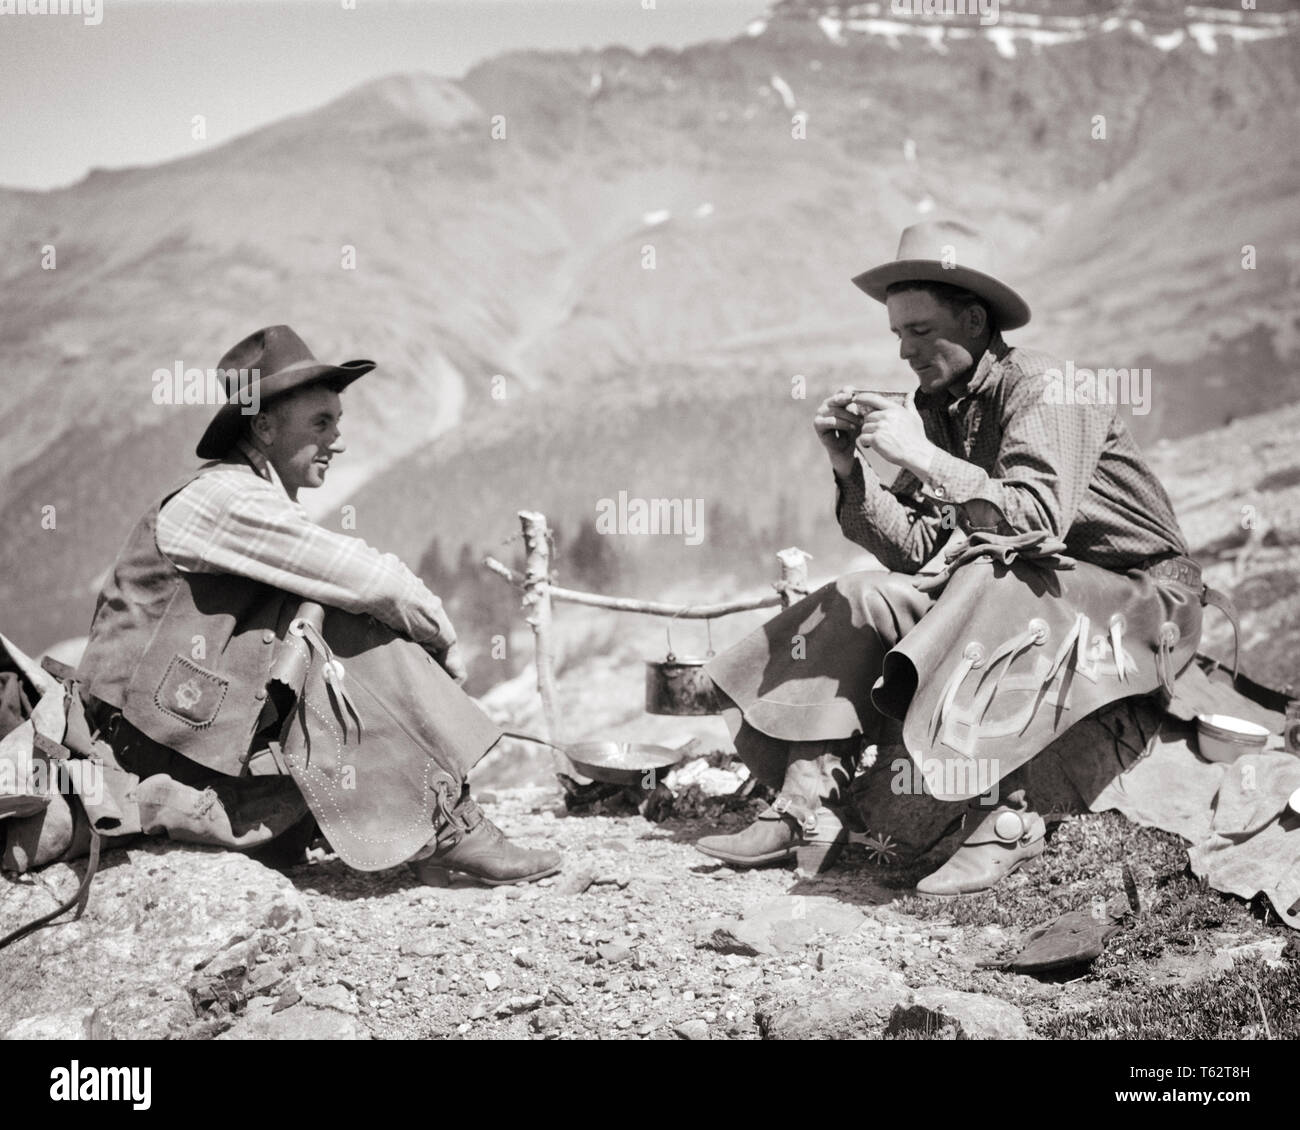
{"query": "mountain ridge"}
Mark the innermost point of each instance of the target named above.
(504, 280)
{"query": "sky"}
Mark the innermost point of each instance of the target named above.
(76, 95)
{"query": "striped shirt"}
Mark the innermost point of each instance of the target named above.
(240, 519)
(1014, 459)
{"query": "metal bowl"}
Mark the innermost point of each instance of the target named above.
(1223, 738)
(622, 763)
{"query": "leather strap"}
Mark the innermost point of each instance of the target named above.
(79, 898)
(796, 809)
(1187, 572)
(1176, 568)
(1213, 598)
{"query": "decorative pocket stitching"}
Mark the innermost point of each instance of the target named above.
(194, 667)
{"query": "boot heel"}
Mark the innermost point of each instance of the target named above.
(432, 875)
(814, 858)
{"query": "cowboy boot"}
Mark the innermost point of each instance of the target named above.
(1001, 842)
(468, 841)
(777, 835)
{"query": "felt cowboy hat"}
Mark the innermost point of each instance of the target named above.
(946, 251)
(273, 361)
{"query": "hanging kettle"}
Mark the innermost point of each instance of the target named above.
(680, 686)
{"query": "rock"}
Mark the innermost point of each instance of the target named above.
(737, 937)
(546, 1019)
(742, 978)
(575, 882)
(491, 981)
(693, 1030)
(780, 925)
(155, 914)
(516, 1005)
(405, 970)
(423, 947)
(334, 997)
(614, 951)
(69, 1024)
(858, 1007)
(300, 1022)
(265, 978)
(240, 970)
(524, 960)
(976, 1016)
(1266, 949)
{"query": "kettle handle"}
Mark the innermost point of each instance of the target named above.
(668, 630)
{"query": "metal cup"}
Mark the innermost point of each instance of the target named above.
(899, 398)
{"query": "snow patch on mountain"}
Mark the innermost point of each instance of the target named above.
(895, 22)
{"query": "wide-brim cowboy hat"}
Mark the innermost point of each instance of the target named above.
(272, 361)
(945, 251)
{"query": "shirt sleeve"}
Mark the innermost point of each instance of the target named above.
(231, 522)
(1047, 458)
(903, 532)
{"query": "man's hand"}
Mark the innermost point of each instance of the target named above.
(451, 661)
(895, 432)
(837, 425)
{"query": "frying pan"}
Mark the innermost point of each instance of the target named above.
(616, 763)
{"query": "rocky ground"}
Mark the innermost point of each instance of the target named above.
(640, 937)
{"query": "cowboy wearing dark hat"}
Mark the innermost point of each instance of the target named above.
(298, 676)
(1071, 589)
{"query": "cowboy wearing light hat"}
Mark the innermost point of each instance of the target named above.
(241, 652)
(1072, 587)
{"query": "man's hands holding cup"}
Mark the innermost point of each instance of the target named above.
(853, 420)
(838, 422)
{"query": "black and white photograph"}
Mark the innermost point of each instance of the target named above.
(650, 520)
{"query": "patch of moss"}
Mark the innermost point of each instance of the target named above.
(1083, 865)
(1251, 1001)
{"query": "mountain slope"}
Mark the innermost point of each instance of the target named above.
(504, 282)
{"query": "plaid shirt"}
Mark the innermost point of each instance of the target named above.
(1012, 462)
(234, 521)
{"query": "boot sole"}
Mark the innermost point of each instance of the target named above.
(441, 877)
(810, 859)
(1019, 863)
(745, 861)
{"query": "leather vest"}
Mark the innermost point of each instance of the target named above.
(185, 656)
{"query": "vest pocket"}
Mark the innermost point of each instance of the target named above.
(190, 693)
